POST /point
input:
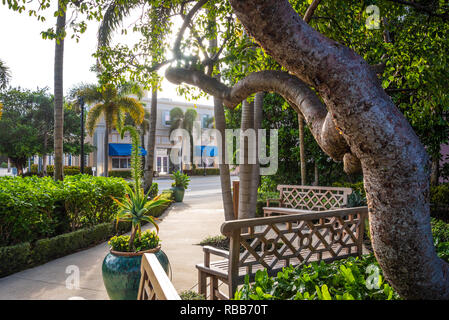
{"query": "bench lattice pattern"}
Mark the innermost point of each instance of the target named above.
(276, 242)
(313, 198)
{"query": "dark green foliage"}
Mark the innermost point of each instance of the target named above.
(439, 195)
(148, 240)
(347, 279)
(154, 190)
(13, 258)
(158, 211)
(191, 295)
(355, 199)
(125, 174)
(68, 170)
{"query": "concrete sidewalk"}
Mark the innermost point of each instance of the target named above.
(182, 227)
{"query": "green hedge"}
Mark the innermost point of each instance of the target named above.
(33, 208)
(125, 174)
(14, 258)
(25, 255)
(68, 170)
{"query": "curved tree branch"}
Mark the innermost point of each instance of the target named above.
(394, 162)
(298, 94)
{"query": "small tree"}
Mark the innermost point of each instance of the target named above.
(111, 103)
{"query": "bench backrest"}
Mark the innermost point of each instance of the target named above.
(314, 198)
(280, 241)
(154, 282)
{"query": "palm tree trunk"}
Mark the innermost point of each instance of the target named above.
(246, 169)
(44, 156)
(302, 155)
(59, 95)
(106, 150)
(149, 165)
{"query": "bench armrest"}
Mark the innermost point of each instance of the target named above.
(215, 251)
(208, 250)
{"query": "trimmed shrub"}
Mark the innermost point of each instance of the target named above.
(34, 208)
(125, 174)
(14, 258)
(68, 170)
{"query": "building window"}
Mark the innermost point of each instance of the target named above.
(166, 121)
(121, 162)
(206, 121)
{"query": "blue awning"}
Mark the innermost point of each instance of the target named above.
(210, 151)
(123, 149)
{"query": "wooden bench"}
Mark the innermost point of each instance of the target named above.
(302, 199)
(275, 242)
(154, 282)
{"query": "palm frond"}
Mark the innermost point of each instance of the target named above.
(133, 107)
(5, 75)
(112, 19)
(93, 117)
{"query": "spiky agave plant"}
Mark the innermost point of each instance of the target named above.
(136, 205)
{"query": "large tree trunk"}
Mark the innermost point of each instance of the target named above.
(394, 162)
(149, 161)
(246, 211)
(59, 96)
(302, 153)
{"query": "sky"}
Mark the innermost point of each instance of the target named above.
(31, 58)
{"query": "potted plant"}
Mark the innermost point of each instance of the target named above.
(180, 185)
(121, 266)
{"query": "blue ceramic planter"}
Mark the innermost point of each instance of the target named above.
(121, 273)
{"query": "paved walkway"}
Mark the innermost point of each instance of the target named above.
(182, 227)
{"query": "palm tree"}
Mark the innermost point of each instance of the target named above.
(183, 120)
(112, 104)
(5, 75)
(112, 19)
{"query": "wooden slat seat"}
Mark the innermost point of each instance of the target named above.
(275, 242)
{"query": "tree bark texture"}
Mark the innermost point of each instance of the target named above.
(394, 162)
(59, 96)
(246, 211)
